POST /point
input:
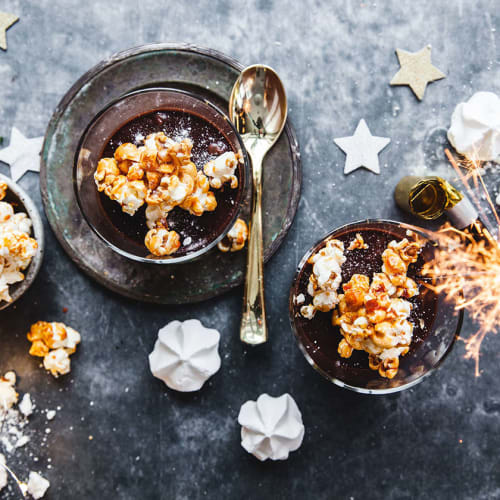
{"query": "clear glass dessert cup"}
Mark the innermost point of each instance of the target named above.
(113, 118)
(318, 339)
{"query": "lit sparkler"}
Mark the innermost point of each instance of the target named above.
(466, 267)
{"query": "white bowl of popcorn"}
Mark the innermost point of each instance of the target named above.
(21, 242)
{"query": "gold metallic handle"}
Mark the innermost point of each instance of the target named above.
(253, 328)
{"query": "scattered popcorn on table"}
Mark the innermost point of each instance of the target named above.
(161, 175)
(12, 419)
(55, 342)
(325, 278)
(26, 406)
(37, 485)
(17, 248)
(236, 237)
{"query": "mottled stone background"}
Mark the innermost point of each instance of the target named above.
(438, 440)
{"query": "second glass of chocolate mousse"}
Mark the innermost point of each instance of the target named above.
(361, 312)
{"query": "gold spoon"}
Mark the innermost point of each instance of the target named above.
(258, 109)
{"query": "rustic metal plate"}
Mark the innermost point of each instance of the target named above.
(204, 72)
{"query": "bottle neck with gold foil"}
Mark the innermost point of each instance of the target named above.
(431, 196)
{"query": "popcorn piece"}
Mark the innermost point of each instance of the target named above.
(156, 215)
(308, 311)
(37, 485)
(55, 342)
(201, 200)
(235, 238)
(57, 362)
(325, 278)
(357, 242)
(299, 299)
(396, 259)
(129, 194)
(106, 173)
(26, 405)
(161, 241)
(125, 155)
(221, 170)
(54, 335)
(3, 190)
(8, 394)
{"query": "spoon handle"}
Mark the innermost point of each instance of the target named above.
(253, 328)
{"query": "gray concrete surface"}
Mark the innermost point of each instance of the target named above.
(439, 440)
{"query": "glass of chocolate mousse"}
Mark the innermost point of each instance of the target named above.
(361, 313)
(160, 175)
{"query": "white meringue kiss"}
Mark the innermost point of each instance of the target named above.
(271, 427)
(185, 355)
(475, 127)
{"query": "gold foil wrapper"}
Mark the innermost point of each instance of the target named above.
(426, 197)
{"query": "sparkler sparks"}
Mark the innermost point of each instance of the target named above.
(466, 267)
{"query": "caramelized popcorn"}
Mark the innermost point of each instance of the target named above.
(55, 342)
(396, 259)
(357, 242)
(373, 317)
(235, 238)
(201, 200)
(129, 194)
(221, 170)
(3, 190)
(161, 241)
(17, 248)
(161, 175)
(325, 278)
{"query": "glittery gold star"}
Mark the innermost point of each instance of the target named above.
(6, 21)
(416, 70)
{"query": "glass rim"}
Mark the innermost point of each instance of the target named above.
(310, 360)
(244, 181)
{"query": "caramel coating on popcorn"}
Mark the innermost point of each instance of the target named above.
(235, 238)
(3, 190)
(357, 243)
(162, 242)
(54, 342)
(161, 175)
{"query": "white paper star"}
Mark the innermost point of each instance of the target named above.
(22, 154)
(362, 149)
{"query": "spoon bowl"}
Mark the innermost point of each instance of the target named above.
(258, 107)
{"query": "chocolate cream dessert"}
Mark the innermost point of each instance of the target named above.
(169, 180)
(357, 305)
